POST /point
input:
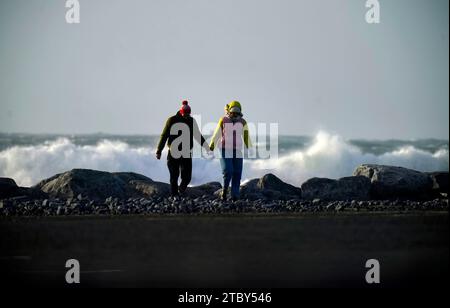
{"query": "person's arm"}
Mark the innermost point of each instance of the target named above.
(198, 135)
(163, 139)
(247, 140)
(216, 135)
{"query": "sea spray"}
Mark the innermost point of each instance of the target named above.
(300, 158)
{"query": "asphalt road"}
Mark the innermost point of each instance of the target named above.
(315, 250)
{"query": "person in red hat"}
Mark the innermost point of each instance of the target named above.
(179, 156)
(185, 108)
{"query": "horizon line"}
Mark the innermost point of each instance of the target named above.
(282, 135)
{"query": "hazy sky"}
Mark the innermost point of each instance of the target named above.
(307, 65)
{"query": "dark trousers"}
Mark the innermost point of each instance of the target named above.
(177, 166)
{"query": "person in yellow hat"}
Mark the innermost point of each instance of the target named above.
(231, 134)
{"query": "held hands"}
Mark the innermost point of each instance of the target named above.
(209, 152)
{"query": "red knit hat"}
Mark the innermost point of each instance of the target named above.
(185, 108)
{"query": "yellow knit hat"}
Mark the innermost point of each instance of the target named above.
(233, 104)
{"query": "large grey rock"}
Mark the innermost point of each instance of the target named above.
(147, 188)
(440, 181)
(207, 189)
(347, 188)
(269, 187)
(9, 189)
(100, 185)
(250, 190)
(390, 182)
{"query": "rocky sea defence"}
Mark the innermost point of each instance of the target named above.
(92, 192)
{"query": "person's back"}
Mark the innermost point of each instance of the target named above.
(232, 130)
(176, 128)
(179, 133)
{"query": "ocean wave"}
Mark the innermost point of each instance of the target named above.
(327, 156)
(333, 157)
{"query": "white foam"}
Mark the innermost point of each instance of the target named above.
(331, 156)
(328, 156)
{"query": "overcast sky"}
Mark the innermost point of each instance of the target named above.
(308, 65)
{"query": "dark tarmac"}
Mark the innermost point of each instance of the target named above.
(238, 251)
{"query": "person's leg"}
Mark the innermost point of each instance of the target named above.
(174, 170)
(236, 179)
(186, 173)
(227, 171)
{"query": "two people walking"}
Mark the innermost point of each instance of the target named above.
(230, 136)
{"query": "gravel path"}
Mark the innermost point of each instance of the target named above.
(23, 206)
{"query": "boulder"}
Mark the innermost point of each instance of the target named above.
(9, 189)
(99, 185)
(147, 188)
(249, 190)
(389, 182)
(269, 187)
(440, 181)
(207, 189)
(347, 188)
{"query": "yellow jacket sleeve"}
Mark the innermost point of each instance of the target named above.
(217, 134)
(247, 140)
